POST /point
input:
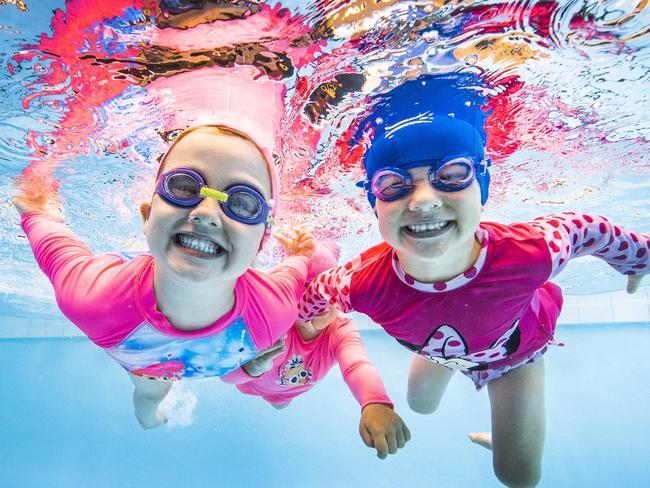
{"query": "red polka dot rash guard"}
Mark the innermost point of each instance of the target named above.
(498, 314)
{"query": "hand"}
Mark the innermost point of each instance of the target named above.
(38, 195)
(320, 322)
(263, 362)
(633, 282)
(380, 427)
(302, 243)
(311, 329)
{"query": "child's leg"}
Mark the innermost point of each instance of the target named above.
(518, 424)
(147, 396)
(427, 383)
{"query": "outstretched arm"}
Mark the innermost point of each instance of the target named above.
(331, 287)
(570, 235)
(380, 427)
(38, 195)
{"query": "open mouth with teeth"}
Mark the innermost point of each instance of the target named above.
(199, 246)
(428, 229)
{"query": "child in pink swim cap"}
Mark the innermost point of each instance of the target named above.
(306, 357)
(460, 293)
(191, 307)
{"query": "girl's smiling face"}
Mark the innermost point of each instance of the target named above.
(201, 243)
(431, 225)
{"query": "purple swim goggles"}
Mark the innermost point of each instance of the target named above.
(392, 183)
(185, 187)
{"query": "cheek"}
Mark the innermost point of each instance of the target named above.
(386, 220)
(248, 238)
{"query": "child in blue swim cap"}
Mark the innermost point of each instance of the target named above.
(460, 293)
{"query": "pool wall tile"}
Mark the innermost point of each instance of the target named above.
(569, 313)
(616, 307)
(595, 309)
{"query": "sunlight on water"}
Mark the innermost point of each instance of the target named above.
(93, 93)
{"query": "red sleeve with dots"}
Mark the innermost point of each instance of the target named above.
(331, 287)
(571, 235)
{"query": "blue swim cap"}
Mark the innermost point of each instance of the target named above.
(431, 118)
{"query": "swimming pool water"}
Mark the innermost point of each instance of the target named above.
(66, 420)
(573, 79)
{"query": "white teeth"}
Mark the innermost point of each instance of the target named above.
(202, 245)
(416, 228)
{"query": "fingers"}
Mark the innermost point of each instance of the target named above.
(406, 432)
(283, 240)
(400, 438)
(391, 442)
(633, 282)
(381, 445)
(366, 436)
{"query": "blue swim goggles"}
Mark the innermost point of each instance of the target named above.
(185, 187)
(454, 174)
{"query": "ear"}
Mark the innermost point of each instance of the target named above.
(145, 210)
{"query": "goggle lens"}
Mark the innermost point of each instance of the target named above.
(183, 186)
(456, 174)
(389, 185)
(244, 204)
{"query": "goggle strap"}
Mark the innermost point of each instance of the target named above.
(485, 164)
(216, 194)
(365, 184)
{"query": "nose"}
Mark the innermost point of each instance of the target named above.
(208, 212)
(424, 197)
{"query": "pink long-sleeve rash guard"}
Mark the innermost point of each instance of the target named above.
(111, 299)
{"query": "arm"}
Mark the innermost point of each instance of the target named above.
(380, 427)
(331, 287)
(291, 274)
(358, 372)
(38, 194)
(258, 366)
(86, 286)
(570, 235)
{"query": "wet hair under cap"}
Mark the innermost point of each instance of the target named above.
(431, 118)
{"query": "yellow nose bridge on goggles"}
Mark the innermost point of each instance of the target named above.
(216, 194)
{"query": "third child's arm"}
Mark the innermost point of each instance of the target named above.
(380, 427)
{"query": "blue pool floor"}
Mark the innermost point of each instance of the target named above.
(66, 421)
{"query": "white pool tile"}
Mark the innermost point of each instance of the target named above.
(54, 329)
(6, 327)
(595, 309)
(630, 308)
(70, 330)
(570, 313)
